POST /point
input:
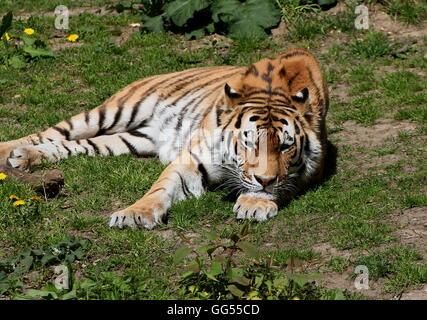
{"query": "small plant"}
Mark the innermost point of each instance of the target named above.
(196, 18)
(373, 45)
(214, 274)
(13, 268)
(21, 47)
(22, 212)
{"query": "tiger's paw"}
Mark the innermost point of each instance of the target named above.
(24, 158)
(5, 149)
(247, 207)
(142, 216)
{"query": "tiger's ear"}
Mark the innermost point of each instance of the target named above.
(231, 93)
(301, 96)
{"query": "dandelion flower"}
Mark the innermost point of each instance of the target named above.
(29, 31)
(35, 198)
(13, 197)
(7, 36)
(72, 37)
(3, 176)
(18, 203)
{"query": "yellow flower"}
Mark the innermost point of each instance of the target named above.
(8, 37)
(29, 31)
(18, 203)
(3, 176)
(72, 37)
(13, 197)
(35, 198)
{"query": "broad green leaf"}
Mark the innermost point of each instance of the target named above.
(216, 268)
(196, 34)
(326, 2)
(193, 266)
(180, 254)
(280, 283)
(180, 11)
(209, 248)
(258, 281)
(339, 295)
(69, 295)
(41, 293)
(235, 291)
(187, 274)
(211, 235)
(153, 24)
(39, 52)
(79, 253)
(247, 19)
(28, 40)
(86, 284)
(48, 258)
(6, 23)
(242, 281)
(249, 249)
(299, 279)
(211, 276)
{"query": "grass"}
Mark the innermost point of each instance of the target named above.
(351, 211)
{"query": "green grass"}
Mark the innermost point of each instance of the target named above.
(350, 211)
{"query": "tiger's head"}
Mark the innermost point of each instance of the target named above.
(274, 124)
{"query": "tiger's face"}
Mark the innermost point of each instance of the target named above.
(270, 113)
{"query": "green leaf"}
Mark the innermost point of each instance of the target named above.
(153, 24)
(216, 268)
(339, 295)
(86, 284)
(326, 2)
(242, 281)
(258, 281)
(211, 235)
(28, 40)
(248, 19)
(187, 274)
(280, 283)
(48, 259)
(69, 295)
(209, 248)
(180, 11)
(193, 266)
(6, 23)
(39, 52)
(249, 249)
(211, 276)
(180, 254)
(79, 253)
(299, 279)
(235, 291)
(196, 34)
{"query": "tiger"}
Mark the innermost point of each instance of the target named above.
(259, 130)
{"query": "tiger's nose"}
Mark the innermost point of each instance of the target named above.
(265, 180)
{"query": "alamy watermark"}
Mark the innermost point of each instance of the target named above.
(62, 18)
(362, 20)
(362, 280)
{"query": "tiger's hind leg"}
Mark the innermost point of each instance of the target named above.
(135, 142)
(125, 111)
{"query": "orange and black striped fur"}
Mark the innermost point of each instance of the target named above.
(258, 129)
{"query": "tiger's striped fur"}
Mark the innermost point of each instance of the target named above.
(259, 129)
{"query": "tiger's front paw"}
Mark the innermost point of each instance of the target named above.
(147, 216)
(24, 158)
(255, 208)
